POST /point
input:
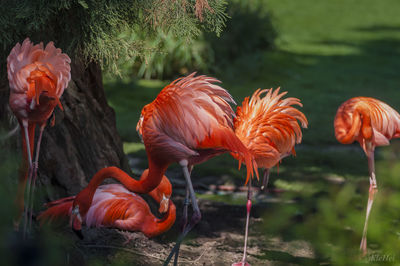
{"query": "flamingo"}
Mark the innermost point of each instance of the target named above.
(269, 128)
(83, 200)
(189, 122)
(372, 123)
(115, 206)
(37, 78)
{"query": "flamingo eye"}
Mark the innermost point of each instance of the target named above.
(75, 211)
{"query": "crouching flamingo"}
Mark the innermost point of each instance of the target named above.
(115, 206)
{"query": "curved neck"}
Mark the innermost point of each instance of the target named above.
(143, 186)
(154, 226)
(361, 121)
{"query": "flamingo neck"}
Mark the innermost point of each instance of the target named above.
(154, 226)
(143, 186)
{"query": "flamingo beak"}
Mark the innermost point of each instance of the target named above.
(76, 222)
(164, 204)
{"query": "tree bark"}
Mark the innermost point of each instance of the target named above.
(83, 140)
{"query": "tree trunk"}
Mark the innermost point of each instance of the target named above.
(83, 140)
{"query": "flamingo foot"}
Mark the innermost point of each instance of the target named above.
(363, 246)
(242, 263)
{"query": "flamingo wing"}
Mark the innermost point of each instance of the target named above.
(113, 203)
(384, 120)
(190, 114)
(33, 69)
(57, 210)
(269, 125)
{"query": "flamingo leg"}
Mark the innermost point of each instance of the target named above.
(265, 179)
(373, 188)
(196, 217)
(249, 196)
(186, 203)
(35, 167)
(28, 147)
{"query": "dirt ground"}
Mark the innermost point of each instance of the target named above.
(216, 240)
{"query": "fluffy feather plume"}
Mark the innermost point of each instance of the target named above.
(269, 126)
(191, 114)
(33, 69)
(355, 116)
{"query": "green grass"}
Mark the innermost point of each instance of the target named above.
(326, 52)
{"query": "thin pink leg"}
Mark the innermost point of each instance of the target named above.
(184, 216)
(373, 188)
(196, 216)
(249, 196)
(35, 167)
(28, 147)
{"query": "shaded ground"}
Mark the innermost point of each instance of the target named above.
(217, 240)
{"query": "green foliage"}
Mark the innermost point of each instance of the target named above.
(166, 55)
(88, 30)
(248, 30)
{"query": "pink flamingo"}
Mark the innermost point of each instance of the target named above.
(372, 123)
(269, 128)
(37, 78)
(115, 206)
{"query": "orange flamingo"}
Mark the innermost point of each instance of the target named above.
(115, 206)
(372, 123)
(269, 128)
(82, 202)
(189, 122)
(37, 78)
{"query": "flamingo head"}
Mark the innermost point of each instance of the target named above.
(162, 193)
(80, 207)
(76, 222)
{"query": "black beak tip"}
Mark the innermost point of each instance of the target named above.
(78, 233)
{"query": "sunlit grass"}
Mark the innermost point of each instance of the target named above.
(132, 147)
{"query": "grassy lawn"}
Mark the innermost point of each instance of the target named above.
(326, 52)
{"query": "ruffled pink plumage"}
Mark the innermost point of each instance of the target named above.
(25, 62)
(191, 119)
(383, 120)
(269, 126)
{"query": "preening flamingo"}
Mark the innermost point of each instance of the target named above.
(83, 201)
(115, 206)
(189, 122)
(37, 78)
(269, 128)
(372, 123)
